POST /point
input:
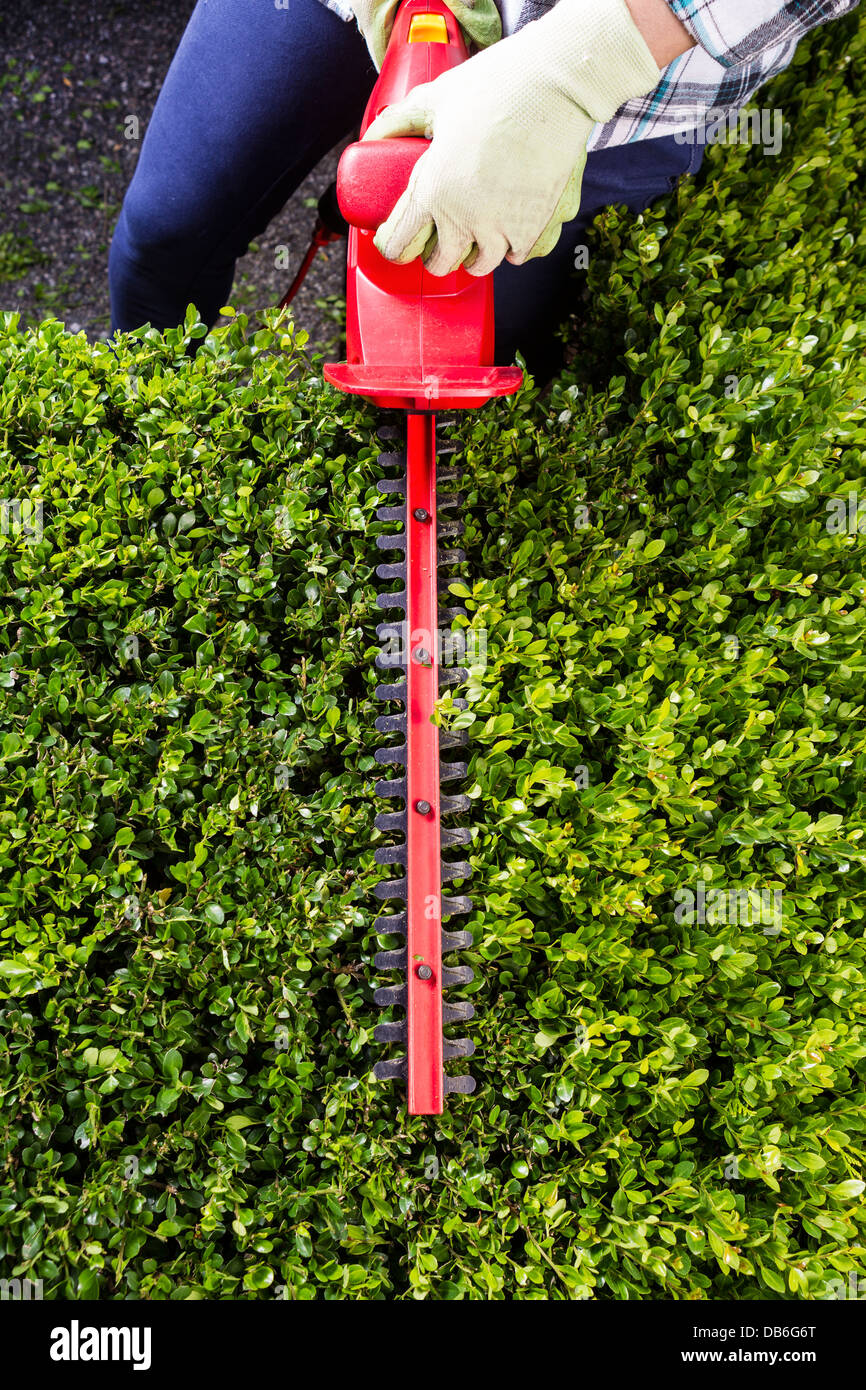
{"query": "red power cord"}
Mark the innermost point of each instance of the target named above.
(322, 235)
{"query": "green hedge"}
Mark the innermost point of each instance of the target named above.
(667, 1107)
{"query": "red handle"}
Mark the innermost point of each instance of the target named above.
(414, 341)
(372, 175)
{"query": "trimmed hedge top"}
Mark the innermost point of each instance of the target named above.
(668, 740)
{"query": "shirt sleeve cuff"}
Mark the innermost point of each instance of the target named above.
(738, 31)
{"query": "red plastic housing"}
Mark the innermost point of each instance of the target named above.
(413, 340)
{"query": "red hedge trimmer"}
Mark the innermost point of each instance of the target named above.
(420, 344)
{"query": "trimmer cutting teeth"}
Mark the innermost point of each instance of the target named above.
(416, 343)
(412, 648)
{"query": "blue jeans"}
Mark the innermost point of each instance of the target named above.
(254, 98)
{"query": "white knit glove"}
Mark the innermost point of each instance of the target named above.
(479, 20)
(508, 133)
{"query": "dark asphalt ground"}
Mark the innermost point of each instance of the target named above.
(69, 74)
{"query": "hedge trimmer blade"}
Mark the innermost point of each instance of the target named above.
(412, 652)
(418, 343)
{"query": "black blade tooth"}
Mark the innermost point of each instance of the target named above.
(391, 960)
(447, 615)
(452, 805)
(389, 429)
(392, 458)
(458, 637)
(457, 1047)
(449, 557)
(389, 661)
(451, 738)
(391, 485)
(392, 631)
(394, 600)
(451, 772)
(393, 1070)
(450, 528)
(457, 975)
(453, 870)
(452, 906)
(448, 477)
(396, 542)
(395, 924)
(392, 724)
(445, 501)
(397, 571)
(458, 1013)
(452, 648)
(448, 838)
(391, 888)
(456, 941)
(391, 1032)
(391, 996)
(395, 786)
(391, 692)
(391, 854)
(397, 755)
(391, 514)
(395, 822)
(459, 1085)
(452, 675)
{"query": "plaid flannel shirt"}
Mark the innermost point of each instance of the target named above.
(740, 45)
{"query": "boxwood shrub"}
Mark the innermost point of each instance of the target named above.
(667, 736)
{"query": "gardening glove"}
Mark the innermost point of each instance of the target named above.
(508, 133)
(479, 20)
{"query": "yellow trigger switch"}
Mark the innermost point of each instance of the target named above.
(428, 28)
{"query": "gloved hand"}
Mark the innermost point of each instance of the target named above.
(508, 134)
(479, 20)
